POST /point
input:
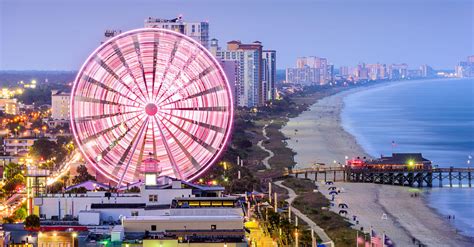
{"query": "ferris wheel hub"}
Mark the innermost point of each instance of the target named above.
(151, 109)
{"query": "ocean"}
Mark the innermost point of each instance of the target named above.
(433, 117)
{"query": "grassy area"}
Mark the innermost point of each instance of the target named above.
(312, 203)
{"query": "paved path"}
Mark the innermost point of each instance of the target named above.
(318, 230)
(270, 152)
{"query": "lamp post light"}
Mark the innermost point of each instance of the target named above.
(296, 238)
(74, 236)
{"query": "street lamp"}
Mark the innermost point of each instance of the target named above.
(74, 235)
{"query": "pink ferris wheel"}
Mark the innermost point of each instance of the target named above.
(151, 92)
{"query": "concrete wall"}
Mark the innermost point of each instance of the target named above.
(55, 205)
(181, 223)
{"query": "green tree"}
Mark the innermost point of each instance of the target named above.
(11, 170)
(44, 148)
(14, 183)
(32, 222)
(21, 213)
(56, 187)
(82, 175)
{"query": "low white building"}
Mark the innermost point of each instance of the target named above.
(18, 145)
(111, 207)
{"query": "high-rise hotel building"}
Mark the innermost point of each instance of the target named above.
(310, 70)
(269, 74)
(199, 31)
(256, 71)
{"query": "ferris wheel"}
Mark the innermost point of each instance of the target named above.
(151, 92)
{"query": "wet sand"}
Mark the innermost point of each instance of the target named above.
(317, 137)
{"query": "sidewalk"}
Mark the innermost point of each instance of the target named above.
(318, 230)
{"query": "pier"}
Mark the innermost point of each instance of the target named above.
(402, 177)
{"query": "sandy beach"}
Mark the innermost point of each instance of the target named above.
(317, 137)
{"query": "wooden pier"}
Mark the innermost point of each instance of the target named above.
(403, 177)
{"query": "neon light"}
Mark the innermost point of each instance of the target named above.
(151, 91)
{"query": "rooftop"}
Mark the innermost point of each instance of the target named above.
(400, 158)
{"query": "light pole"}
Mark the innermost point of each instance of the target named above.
(74, 235)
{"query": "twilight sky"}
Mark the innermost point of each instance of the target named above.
(60, 34)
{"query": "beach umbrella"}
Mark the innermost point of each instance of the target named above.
(332, 188)
(333, 192)
(343, 205)
(342, 212)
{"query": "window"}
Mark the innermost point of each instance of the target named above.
(153, 198)
(134, 213)
(153, 227)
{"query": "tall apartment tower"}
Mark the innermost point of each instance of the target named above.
(269, 74)
(318, 63)
(249, 89)
(398, 71)
(199, 31)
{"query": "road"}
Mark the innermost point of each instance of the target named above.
(12, 203)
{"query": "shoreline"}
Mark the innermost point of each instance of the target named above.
(317, 135)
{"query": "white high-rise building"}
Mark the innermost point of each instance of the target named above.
(199, 31)
(249, 90)
(60, 109)
(269, 74)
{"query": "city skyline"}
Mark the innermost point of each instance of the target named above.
(352, 32)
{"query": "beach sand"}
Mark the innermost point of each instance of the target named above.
(320, 138)
(317, 136)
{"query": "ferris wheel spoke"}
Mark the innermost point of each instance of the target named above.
(136, 175)
(155, 60)
(200, 124)
(184, 150)
(200, 108)
(99, 101)
(136, 44)
(175, 167)
(109, 148)
(170, 61)
(186, 65)
(102, 132)
(103, 86)
(125, 64)
(97, 117)
(201, 75)
(196, 139)
(124, 156)
(205, 92)
(102, 64)
(154, 140)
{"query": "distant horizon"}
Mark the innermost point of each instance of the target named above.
(60, 37)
